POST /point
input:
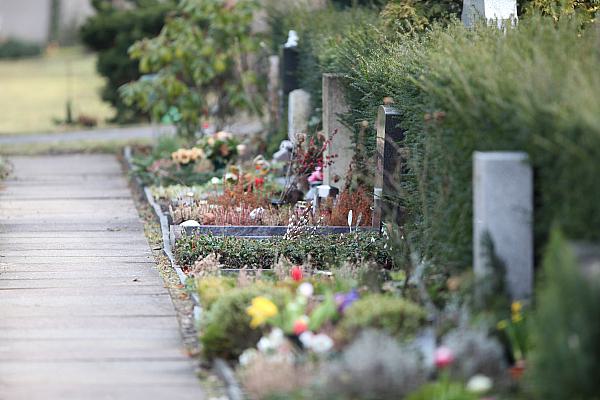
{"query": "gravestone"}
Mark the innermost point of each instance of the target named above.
(290, 62)
(274, 92)
(491, 11)
(503, 209)
(390, 162)
(334, 105)
(299, 110)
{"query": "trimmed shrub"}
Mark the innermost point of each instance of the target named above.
(225, 330)
(395, 316)
(321, 251)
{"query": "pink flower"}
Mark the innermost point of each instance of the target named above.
(443, 357)
(316, 176)
(296, 273)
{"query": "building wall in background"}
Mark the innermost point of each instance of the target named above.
(30, 19)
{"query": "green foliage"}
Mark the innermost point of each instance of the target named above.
(393, 315)
(110, 32)
(15, 48)
(533, 88)
(417, 15)
(442, 390)
(225, 329)
(565, 364)
(321, 251)
(211, 288)
(199, 63)
(584, 10)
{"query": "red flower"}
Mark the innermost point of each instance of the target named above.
(296, 273)
(258, 182)
(300, 326)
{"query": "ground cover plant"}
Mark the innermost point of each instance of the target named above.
(321, 251)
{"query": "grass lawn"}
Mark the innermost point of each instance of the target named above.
(34, 92)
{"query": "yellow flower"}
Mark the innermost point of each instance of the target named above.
(516, 307)
(185, 156)
(502, 325)
(517, 318)
(197, 153)
(261, 310)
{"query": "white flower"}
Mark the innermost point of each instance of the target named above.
(241, 149)
(276, 337)
(257, 213)
(222, 135)
(264, 345)
(479, 384)
(306, 339)
(247, 357)
(306, 289)
(215, 181)
(321, 343)
(230, 176)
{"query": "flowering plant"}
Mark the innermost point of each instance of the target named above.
(515, 330)
(221, 148)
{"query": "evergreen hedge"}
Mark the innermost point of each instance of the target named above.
(534, 87)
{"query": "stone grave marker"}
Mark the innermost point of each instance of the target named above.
(334, 104)
(491, 11)
(299, 110)
(389, 164)
(503, 209)
(274, 92)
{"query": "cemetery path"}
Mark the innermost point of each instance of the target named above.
(84, 313)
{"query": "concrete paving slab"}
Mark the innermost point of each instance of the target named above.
(84, 313)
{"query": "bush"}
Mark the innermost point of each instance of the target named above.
(225, 329)
(200, 63)
(321, 251)
(211, 288)
(532, 88)
(14, 48)
(566, 363)
(395, 316)
(110, 32)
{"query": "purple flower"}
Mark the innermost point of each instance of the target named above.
(344, 300)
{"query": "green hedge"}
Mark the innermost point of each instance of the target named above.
(535, 88)
(322, 251)
(110, 32)
(14, 48)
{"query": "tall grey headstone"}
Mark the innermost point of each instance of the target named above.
(274, 92)
(488, 11)
(334, 104)
(299, 110)
(503, 208)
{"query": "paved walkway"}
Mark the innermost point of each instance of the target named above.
(83, 313)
